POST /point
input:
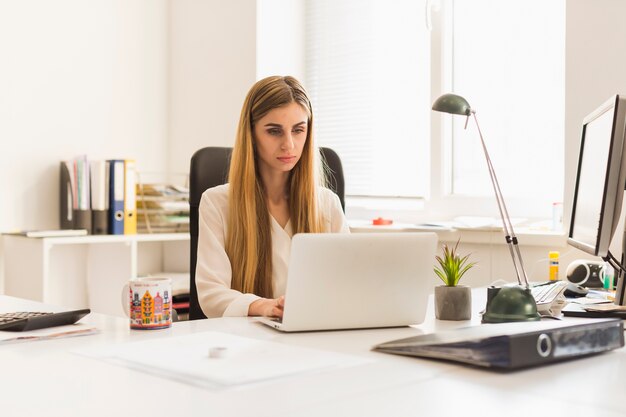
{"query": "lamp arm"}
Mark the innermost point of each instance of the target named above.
(511, 238)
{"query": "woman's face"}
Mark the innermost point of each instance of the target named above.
(280, 137)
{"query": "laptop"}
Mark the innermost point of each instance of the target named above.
(354, 281)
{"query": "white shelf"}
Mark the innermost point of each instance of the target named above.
(88, 271)
(145, 237)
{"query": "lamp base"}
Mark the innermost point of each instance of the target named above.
(509, 304)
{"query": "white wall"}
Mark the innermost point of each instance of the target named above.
(212, 64)
(76, 78)
(153, 80)
(282, 51)
(595, 69)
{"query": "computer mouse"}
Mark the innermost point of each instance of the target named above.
(574, 290)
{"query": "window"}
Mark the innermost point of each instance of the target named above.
(368, 74)
(373, 69)
(508, 61)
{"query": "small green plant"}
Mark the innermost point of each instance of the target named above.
(453, 266)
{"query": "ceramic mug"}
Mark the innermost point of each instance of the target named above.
(148, 303)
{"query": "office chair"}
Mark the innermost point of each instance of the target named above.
(209, 168)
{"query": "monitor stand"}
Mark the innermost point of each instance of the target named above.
(620, 298)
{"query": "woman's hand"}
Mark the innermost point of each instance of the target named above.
(269, 307)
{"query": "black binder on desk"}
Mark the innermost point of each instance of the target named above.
(508, 346)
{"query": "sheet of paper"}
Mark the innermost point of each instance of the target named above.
(604, 307)
(58, 332)
(243, 360)
(589, 301)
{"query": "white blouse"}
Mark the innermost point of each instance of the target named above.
(213, 270)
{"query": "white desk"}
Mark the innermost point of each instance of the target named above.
(43, 378)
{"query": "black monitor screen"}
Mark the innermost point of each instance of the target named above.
(592, 177)
(600, 178)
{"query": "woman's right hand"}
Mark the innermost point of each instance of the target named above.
(269, 307)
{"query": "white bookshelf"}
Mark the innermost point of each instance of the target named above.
(88, 271)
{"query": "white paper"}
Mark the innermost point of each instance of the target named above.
(57, 332)
(244, 360)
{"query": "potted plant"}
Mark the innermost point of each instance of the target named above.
(452, 301)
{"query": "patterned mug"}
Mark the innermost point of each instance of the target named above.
(148, 303)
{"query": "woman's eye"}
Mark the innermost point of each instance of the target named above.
(299, 131)
(274, 132)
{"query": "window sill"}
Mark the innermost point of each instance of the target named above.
(479, 235)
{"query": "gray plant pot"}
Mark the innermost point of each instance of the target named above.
(453, 303)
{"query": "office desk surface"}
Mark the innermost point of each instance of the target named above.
(44, 378)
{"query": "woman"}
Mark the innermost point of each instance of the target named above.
(274, 191)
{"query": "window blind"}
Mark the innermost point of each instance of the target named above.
(368, 74)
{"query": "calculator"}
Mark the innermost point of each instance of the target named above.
(32, 320)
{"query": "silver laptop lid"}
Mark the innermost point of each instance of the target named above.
(361, 280)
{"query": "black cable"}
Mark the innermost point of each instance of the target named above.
(612, 260)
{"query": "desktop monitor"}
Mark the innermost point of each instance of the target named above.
(600, 178)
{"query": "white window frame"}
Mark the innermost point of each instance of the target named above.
(440, 204)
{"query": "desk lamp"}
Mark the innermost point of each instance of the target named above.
(509, 303)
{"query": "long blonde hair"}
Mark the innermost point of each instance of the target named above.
(248, 237)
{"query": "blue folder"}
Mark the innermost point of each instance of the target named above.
(116, 197)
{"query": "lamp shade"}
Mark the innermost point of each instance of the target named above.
(453, 104)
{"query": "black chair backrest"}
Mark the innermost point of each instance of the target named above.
(209, 168)
(334, 174)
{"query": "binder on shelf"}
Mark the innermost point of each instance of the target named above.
(99, 222)
(82, 219)
(66, 195)
(514, 345)
(82, 184)
(99, 198)
(82, 206)
(116, 197)
(75, 212)
(130, 198)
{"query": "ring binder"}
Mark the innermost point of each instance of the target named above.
(82, 220)
(99, 197)
(99, 222)
(66, 218)
(74, 204)
(116, 197)
(514, 345)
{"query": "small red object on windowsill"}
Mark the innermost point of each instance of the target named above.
(382, 222)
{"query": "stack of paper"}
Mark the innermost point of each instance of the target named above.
(162, 208)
